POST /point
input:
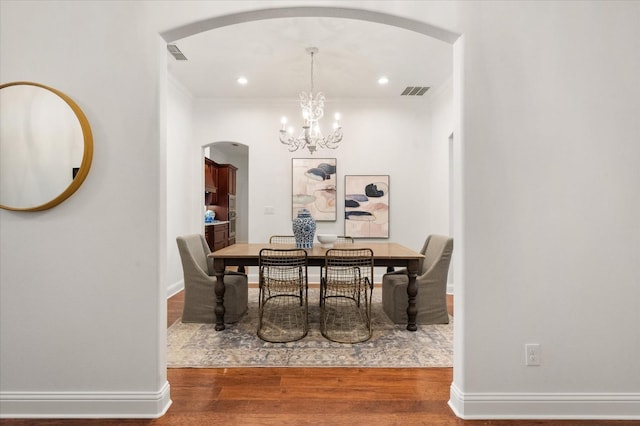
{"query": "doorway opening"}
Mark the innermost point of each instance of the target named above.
(381, 18)
(237, 155)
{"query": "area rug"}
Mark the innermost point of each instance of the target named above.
(201, 346)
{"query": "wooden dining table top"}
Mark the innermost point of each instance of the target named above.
(390, 251)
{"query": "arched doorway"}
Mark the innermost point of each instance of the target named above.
(381, 18)
(235, 153)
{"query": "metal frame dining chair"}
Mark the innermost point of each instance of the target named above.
(283, 295)
(282, 239)
(290, 239)
(340, 240)
(344, 240)
(346, 291)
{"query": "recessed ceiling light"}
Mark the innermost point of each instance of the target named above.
(242, 81)
(383, 80)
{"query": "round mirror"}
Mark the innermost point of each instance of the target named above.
(46, 146)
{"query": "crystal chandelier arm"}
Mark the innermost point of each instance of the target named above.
(333, 139)
(285, 138)
(293, 144)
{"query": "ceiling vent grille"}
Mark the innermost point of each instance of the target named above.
(414, 91)
(173, 49)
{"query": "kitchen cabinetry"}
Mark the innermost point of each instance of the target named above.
(227, 198)
(222, 177)
(210, 182)
(217, 235)
(227, 178)
(220, 236)
(208, 236)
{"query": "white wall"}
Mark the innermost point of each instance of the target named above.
(438, 159)
(184, 176)
(83, 296)
(549, 207)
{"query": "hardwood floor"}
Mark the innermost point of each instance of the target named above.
(305, 396)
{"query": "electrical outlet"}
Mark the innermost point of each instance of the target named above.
(532, 353)
(269, 210)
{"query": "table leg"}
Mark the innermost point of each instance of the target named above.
(412, 292)
(218, 268)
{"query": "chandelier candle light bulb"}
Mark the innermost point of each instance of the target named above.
(312, 111)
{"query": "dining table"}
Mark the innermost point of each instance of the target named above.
(384, 254)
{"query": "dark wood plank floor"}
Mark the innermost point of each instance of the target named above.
(308, 396)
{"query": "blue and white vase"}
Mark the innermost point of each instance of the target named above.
(304, 229)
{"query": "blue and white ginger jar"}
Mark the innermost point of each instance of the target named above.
(304, 229)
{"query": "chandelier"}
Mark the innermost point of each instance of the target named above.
(312, 111)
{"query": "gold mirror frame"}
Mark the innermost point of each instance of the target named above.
(87, 155)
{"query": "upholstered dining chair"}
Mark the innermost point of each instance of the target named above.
(346, 291)
(199, 284)
(283, 302)
(431, 301)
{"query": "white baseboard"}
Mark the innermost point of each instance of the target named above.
(449, 288)
(557, 406)
(67, 405)
(175, 288)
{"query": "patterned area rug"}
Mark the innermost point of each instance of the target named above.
(200, 346)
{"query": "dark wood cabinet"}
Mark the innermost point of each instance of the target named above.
(226, 190)
(219, 196)
(220, 236)
(227, 178)
(208, 235)
(217, 235)
(210, 182)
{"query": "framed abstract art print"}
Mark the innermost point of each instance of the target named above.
(366, 206)
(313, 186)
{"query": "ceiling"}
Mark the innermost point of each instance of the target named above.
(271, 54)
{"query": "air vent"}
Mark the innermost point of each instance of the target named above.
(414, 91)
(173, 49)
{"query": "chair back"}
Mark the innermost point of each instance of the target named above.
(344, 240)
(345, 295)
(193, 251)
(283, 264)
(342, 264)
(437, 252)
(283, 304)
(282, 239)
